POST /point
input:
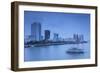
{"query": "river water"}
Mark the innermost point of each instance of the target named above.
(55, 52)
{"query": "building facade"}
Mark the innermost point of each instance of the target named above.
(47, 34)
(56, 37)
(36, 31)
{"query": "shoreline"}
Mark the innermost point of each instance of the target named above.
(53, 43)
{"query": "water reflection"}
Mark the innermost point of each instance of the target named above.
(56, 52)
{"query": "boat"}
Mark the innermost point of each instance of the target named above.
(75, 51)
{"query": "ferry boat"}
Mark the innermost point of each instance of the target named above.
(75, 51)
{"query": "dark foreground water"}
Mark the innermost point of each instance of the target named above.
(55, 52)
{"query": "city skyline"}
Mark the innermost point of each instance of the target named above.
(37, 36)
(61, 23)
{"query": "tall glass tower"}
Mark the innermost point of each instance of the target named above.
(36, 31)
(47, 34)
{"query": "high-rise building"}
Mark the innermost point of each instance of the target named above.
(76, 37)
(81, 37)
(42, 38)
(56, 37)
(36, 31)
(47, 34)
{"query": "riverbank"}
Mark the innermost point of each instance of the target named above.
(53, 43)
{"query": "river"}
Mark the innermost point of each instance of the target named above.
(55, 52)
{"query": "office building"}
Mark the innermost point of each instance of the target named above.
(76, 37)
(36, 31)
(47, 34)
(81, 37)
(56, 37)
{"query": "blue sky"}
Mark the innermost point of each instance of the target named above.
(66, 24)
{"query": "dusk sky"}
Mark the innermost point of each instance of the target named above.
(65, 24)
